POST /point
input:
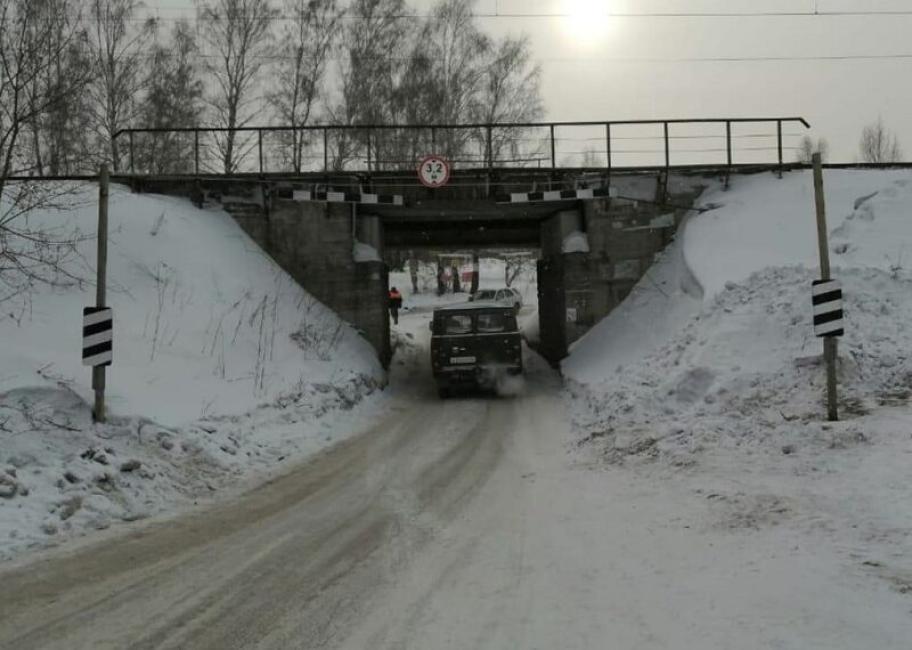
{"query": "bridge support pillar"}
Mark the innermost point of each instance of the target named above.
(563, 283)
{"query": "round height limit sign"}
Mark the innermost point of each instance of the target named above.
(434, 171)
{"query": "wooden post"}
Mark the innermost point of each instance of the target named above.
(667, 148)
(830, 343)
(98, 372)
(196, 151)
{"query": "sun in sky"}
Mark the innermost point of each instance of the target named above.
(586, 22)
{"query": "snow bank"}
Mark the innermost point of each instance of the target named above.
(708, 383)
(204, 322)
(223, 370)
(715, 345)
(747, 368)
(765, 222)
(666, 298)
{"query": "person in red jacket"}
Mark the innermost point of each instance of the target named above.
(395, 304)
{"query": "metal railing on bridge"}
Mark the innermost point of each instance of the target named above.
(600, 145)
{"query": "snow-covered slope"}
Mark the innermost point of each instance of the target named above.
(223, 368)
(732, 293)
(205, 322)
(720, 329)
(708, 381)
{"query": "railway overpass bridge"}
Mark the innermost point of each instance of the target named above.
(510, 186)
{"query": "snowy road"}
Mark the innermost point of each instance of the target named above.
(457, 524)
(309, 559)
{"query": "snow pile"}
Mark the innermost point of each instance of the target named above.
(72, 476)
(747, 369)
(715, 347)
(223, 368)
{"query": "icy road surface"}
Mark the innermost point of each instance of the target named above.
(458, 524)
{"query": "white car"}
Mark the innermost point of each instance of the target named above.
(506, 296)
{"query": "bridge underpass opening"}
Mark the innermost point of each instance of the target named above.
(489, 231)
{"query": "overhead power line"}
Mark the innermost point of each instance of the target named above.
(552, 15)
(628, 59)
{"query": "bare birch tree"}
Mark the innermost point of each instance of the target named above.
(238, 36)
(372, 70)
(173, 99)
(55, 97)
(63, 143)
(119, 50)
(30, 43)
(456, 51)
(446, 72)
(307, 40)
(879, 144)
(510, 92)
(807, 148)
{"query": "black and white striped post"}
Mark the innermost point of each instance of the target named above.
(828, 313)
(827, 297)
(97, 336)
(97, 324)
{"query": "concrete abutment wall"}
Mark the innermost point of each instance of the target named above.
(313, 242)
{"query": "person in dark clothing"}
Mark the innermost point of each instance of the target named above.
(395, 304)
(441, 280)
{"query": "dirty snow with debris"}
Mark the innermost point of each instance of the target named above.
(709, 377)
(224, 371)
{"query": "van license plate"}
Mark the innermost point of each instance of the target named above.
(462, 359)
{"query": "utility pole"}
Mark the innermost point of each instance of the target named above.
(98, 372)
(830, 343)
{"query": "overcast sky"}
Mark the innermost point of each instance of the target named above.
(644, 67)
